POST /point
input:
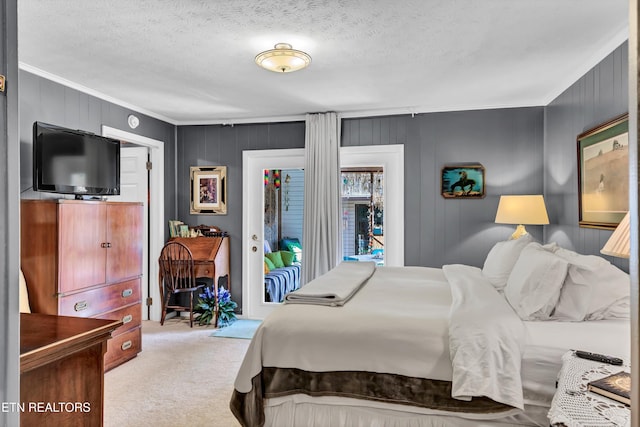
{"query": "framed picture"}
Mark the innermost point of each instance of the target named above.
(463, 181)
(208, 190)
(603, 174)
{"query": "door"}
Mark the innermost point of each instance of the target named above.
(389, 157)
(82, 238)
(253, 166)
(134, 187)
(124, 234)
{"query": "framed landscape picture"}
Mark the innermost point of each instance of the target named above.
(603, 174)
(208, 190)
(464, 181)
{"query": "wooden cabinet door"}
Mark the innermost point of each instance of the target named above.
(81, 251)
(124, 234)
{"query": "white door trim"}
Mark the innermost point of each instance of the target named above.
(390, 157)
(156, 214)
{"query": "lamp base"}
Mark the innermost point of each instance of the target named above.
(520, 231)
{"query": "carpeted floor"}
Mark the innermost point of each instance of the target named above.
(182, 377)
(241, 328)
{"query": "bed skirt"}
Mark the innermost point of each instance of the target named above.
(378, 387)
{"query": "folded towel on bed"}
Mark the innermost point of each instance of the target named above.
(334, 288)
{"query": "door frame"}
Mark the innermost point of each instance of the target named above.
(156, 214)
(390, 157)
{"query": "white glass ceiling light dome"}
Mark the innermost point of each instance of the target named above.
(283, 59)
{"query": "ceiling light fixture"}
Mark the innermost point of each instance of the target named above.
(283, 59)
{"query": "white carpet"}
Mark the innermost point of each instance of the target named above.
(182, 377)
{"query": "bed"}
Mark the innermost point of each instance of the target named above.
(366, 345)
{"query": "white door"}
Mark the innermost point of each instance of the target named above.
(253, 165)
(134, 187)
(390, 157)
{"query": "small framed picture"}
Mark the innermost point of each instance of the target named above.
(208, 190)
(603, 174)
(464, 181)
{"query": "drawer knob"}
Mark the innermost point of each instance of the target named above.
(81, 305)
(126, 345)
(127, 293)
(128, 318)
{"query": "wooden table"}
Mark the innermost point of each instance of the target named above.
(62, 369)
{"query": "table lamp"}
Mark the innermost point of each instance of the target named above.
(619, 244)
(521, 210)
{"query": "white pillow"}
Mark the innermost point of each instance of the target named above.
(575, 296)
(609, 287)
(501, 259)
(533, 287)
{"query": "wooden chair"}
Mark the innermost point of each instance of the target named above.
(177, 277)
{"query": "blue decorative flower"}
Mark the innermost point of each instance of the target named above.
(207, 307)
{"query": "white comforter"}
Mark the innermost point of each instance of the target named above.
(398, 323)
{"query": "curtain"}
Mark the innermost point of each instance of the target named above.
(322, 245)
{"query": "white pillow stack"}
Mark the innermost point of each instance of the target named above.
(596, 289)
(550, 282)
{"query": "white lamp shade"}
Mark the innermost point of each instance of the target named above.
(527, 210)
(619, 244)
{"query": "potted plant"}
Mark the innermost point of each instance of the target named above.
(207, 305)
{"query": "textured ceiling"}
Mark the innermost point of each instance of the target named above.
(191, 61)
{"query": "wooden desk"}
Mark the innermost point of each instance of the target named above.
(62, 369)
(211, 259)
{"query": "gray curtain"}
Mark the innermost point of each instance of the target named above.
(322, 245)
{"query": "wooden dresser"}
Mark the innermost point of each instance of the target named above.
(62, 370)
(84, 258)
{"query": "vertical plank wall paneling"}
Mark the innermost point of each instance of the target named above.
(507, 142)
(50, 102)
(223, 145)
(597, 97)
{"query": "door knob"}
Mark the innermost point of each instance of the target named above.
(254, 248)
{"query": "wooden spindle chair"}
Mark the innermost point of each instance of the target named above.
(177, 276)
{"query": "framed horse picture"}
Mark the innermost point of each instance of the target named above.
(464, 181)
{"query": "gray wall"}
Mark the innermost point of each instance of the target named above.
(508, 142)
(438, 231)
(597, 97)
(223, 145)
(46, 101)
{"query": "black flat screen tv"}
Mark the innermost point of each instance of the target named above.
(76, 162)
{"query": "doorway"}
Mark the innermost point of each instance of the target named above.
(155, 218)
(389, 158)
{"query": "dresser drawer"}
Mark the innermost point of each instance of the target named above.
(99, 300)
(205, 269)
(122, 348)
(130, 315)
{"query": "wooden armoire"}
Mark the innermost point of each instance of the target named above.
(83, 258)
